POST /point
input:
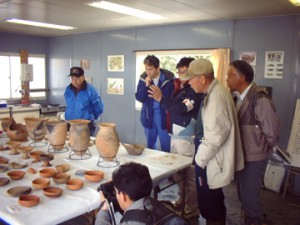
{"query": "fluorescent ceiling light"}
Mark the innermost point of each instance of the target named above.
(295, 2)
(38, 24)
(126, 10)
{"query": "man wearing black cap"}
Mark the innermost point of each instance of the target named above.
(82, 99)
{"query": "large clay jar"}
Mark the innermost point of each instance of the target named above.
(36, 128)
(17, 132)
(107, 141)
(5, 122)
(57, 133)
(79, 136)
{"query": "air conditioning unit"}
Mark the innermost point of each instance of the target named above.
(26, 72)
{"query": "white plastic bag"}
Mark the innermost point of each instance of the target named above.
(182, 145)
(274, 176)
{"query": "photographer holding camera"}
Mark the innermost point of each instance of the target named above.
(129, 191)
(132, 183)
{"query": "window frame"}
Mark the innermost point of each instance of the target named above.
(42, 89)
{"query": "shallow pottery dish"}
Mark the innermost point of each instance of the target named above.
(74, 184)
(94, 175)
(47, 172)
(29, 200)
(4, 181)
(16, 174)
(135, 149)
(61, 178)
(18, 164)
(19, 190)
(52, 192)
(3, 160)
(63, 167)
(31, 170)
(3, 167)
(40, 183)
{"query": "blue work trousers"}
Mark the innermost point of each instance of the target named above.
(156, 131)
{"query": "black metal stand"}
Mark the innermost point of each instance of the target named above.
(80, 154)
(107, 164)
(51, 149)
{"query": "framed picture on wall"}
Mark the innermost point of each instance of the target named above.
(85, 64)
(115, 63)
(115, 86)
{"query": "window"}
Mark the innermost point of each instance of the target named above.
(10, 71)
(168, 60)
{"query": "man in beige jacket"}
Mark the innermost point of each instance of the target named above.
(219, 152)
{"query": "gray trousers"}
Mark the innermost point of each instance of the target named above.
(249, 183)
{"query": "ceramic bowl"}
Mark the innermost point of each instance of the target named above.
(35, 155)
(3, 167)
(19, 191)
(94, 175)
(18, 164)
(74, 184)
(63, 167)
(135, 149)
(52, 192)
(24, 150)
(31, 170)
(13, 145)
(16, 174)
(3, 160)
(29, 200)
(40, 183)
(61, 178)
(4, 181)
(47, 172)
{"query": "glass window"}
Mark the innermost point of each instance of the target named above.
(11, 70)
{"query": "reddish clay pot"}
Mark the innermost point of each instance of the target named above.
(57, 133)
(107, 141)
(5, 122)
(79, 136)
(17, 132)
(36, 128)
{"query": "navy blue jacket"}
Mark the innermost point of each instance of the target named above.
(166, 85)
(178, 111)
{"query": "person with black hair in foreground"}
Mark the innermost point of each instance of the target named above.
(133, 185)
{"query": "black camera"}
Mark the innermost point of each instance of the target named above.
(108, 190)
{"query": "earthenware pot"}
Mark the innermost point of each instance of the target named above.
(107, 141)
(36, 128)
(5, 122)
(79, 136)
(17, 132)
(56, 133)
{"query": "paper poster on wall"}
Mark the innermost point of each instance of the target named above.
(85, 64)
(115, 86)
(274, 64)
(249, 57)
(115, 63)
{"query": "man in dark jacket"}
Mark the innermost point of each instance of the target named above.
(153, 114)
(182, 106)
(259, 127)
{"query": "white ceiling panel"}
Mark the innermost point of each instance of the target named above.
(88, 19)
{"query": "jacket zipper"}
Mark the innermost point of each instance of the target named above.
(219, 165)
